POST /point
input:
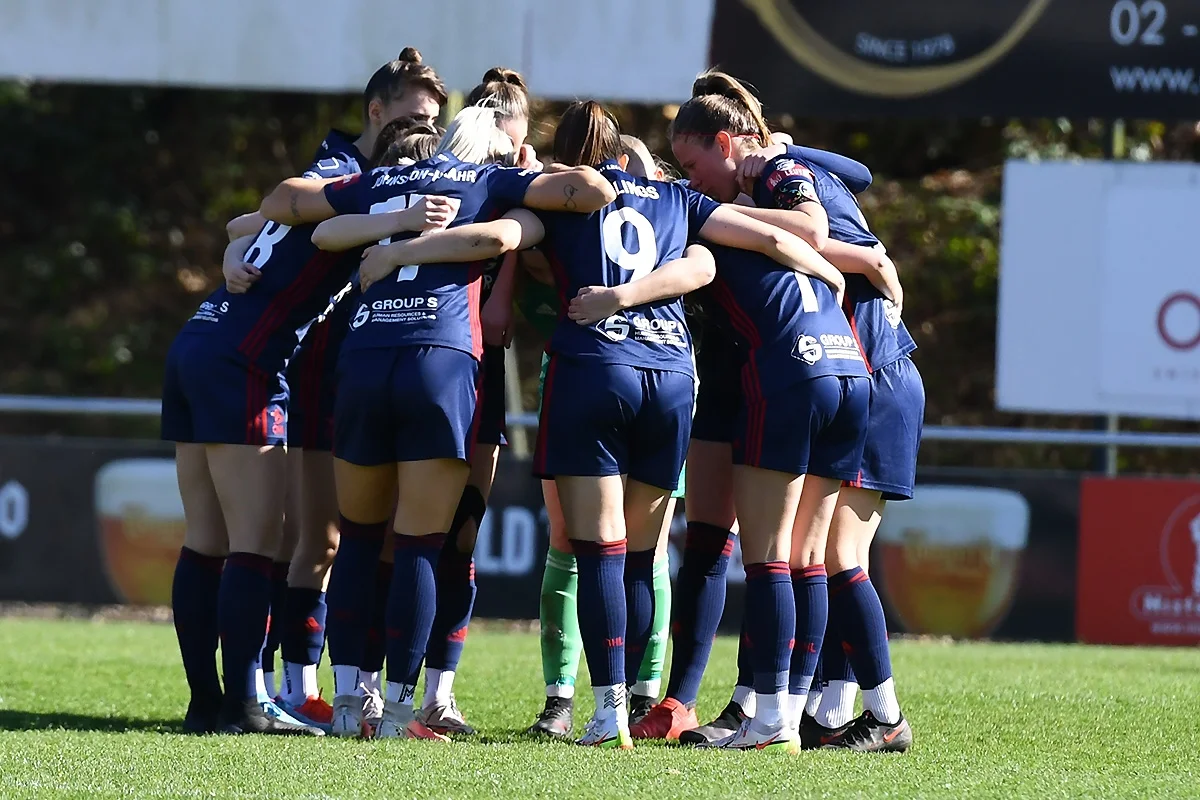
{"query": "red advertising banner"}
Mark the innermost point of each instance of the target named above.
(1139, 562)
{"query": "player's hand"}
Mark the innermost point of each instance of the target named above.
(839, 288)
(376, 265)
(527, 159)
(778, 137)
(887, 281)
(755, 164)
(594, 303)
(497, 321)
(430, 213)
(240, 277)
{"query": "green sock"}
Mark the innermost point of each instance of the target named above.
(561, 641)
(650, 675)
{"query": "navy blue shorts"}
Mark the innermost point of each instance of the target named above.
(405, 404)
(311, 376)
(491, 398)
(813, 427)
(894, 426)
(718, 368)
(606, 419)
(211, 396)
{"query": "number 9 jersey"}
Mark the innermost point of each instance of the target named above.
(649, 224)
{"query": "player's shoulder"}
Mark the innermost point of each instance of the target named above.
(788, 167)
(337, 154)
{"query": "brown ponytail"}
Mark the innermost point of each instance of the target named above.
(587, 135)
(394, 78)
(721, 103)
(405, 138)
(504, 90)
(504, 75)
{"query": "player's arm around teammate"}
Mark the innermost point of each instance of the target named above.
(718, 136)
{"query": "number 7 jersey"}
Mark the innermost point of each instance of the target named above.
(431, 304)
(648, 225)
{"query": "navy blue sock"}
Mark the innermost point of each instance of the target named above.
(699, 602)
(601, 607)
(639, 608)
(304, 626)
(770, 623)
(812, 613)
(375, 647)
(745, 656)
(276, 619)
(834, 666)
(243, 603)
(412, 605)
(455, 602)
(350, 590)
(857, 614)
(194, 603)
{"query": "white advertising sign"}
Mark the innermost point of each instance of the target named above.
(632, 50)
(1100, 290)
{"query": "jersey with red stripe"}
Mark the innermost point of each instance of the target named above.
(649, 224)
(790, 323)
(267, 322)
(431, 304)
(787, 183)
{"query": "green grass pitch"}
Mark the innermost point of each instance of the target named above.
(91, 709)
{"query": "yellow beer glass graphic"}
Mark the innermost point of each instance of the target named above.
(141, 527)
(950, 558)
(806, 44)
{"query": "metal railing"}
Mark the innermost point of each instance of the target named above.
(128, 407)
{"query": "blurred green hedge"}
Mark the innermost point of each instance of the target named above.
(112, 228)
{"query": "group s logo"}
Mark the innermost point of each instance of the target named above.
(615, 328)
(361, 316)
(808, 350)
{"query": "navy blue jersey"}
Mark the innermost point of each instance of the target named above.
(649, 224)
(491, 271)
(433, 304)
(853, 174)
(266, 323)
(788, 182)
(790, 323)
(337, 156)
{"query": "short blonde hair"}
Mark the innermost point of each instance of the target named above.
(474, 136)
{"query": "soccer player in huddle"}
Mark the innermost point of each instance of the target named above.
(561, 644)
(225, 404)
(720, 139)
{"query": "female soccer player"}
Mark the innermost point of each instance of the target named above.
(403, 91)
(561, 644)
(502, 90)
(712, 524)
(720, 138)
(225, 402)
(406, 401)
(623, 355)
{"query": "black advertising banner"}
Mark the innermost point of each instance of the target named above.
(1031, 58)
(976, 554)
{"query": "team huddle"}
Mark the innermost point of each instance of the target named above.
(338, 409)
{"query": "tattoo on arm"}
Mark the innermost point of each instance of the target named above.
(569, 193)
(294, 206)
